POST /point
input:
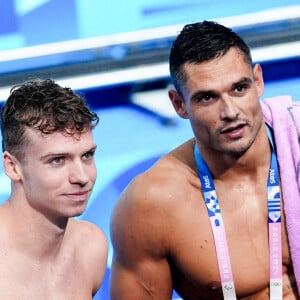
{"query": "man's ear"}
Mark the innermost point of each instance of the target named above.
(258, 79)
(11, 166)
(178, 104)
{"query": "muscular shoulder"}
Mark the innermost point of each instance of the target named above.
(145, 209)
(87, 233)
(165, 179)
(169, 174)
(90, 245)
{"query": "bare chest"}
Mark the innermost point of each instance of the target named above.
(244, 212)
(23, 278)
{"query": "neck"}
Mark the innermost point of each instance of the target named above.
(37, 236)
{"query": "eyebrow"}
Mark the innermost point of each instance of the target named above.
(58, 154)
(244, 80)
(200, 93)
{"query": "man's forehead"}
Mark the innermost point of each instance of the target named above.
(57, 138)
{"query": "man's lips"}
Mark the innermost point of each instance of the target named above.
(234, 131)
(78, 194)
(232, 128)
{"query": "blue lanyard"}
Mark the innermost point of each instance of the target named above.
(216, 220)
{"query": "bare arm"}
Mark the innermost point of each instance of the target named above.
(146, 280)
(93, 245)
(100, 262)
(140, 268)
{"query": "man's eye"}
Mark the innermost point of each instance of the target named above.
(57, 160)
(89, 155)
(240, 88)
(206, 98)
(203, 98)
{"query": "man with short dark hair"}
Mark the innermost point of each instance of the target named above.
(218, 217)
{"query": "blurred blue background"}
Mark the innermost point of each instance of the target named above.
(32, 22)
(115, 53)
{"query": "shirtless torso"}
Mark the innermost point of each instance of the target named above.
(165, 240)
(39, 265)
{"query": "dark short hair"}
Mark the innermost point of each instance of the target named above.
(202, 41)
(45, 106)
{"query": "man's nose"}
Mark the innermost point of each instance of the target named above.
(229, 110)
(78, 173)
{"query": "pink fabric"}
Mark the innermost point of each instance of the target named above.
(283, 115)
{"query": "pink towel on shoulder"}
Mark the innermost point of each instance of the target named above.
(283, 115)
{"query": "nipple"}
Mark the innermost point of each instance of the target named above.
(215, 289)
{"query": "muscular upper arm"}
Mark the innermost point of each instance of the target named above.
(146, 279)
(93, 253)
(99, 264)
(140, 267)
